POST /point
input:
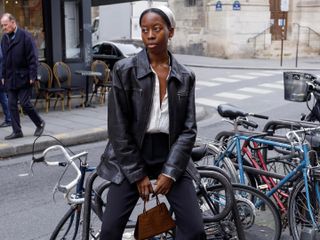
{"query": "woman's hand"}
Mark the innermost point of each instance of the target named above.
(145, 188)
(163, 185)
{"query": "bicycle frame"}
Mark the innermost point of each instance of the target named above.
(235, 145)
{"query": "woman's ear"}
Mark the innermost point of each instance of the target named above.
(171, 33)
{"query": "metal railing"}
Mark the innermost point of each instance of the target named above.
(309, 34)
(254, 39)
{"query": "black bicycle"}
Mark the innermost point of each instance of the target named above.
(86, 197)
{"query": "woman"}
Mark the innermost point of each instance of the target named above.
(152, 129)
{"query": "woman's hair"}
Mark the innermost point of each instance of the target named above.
(164, 12)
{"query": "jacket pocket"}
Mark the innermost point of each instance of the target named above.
(21, 79)
(182, 96)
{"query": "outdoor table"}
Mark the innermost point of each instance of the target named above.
(87, 74)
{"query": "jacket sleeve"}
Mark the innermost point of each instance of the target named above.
(3, 69)
(180, 151)
(125, 148)
(31, 56)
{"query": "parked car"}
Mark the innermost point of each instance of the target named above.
(112, 51)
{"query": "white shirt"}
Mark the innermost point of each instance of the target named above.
(159, 116)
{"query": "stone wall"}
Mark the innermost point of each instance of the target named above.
(201, 30)
(306, 14)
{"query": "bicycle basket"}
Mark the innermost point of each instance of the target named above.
(295, 86)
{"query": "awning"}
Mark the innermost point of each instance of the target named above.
(108, 2)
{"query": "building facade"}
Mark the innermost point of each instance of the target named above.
(247, 28)
(61, 29)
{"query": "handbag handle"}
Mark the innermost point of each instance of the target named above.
(145, 202)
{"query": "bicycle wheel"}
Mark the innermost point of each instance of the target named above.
(213, 207)
(211, 159)
(70, 226)
(259, 216)
(298, 213)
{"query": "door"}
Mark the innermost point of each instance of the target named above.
(278, 21)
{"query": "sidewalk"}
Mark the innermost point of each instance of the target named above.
(86, 125)
(73, 127)
(303, 64)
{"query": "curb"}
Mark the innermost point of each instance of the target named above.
(68, 139)
(252, 68)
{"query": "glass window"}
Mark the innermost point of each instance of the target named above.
(72, 29)
(29, 17)
(190, 3)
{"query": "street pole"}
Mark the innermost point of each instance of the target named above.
(282, 38)
(297, 49)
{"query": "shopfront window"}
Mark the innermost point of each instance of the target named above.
(72, 29)
(29, 17)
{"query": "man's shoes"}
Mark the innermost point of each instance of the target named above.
(39, 129)
(5, 124)
(14, 135)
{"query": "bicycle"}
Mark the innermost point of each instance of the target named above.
(300, 87)
(70, 225)
(83, 219)
(300, 173)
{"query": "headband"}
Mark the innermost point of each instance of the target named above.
(168, 12)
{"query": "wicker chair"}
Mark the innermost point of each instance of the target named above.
(44, 88)
(101, 83)
(62, 74)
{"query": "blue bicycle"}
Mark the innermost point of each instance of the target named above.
(303, 212)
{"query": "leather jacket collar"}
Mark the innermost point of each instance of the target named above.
(144, 66)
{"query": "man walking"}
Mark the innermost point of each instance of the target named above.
(4, 99)
(19, 71)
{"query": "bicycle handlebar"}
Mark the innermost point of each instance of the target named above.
(294, 134)
(65, 189)
(258, 115)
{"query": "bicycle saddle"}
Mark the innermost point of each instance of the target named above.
(230, 111)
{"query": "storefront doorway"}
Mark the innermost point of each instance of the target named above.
(278, 21)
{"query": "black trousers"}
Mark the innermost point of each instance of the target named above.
(182, 198)
(24, 97)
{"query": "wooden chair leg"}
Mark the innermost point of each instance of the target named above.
(95, 90)
(82, 98)
(62, 102)
(69, 100)
(55, 102)
(104, 91)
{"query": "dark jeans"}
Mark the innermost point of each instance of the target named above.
(24, 97)
(4, 105)
(182, 198)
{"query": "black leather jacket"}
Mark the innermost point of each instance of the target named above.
(129, 105)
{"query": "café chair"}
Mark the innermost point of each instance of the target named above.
(101, 83)
(62, 74)
(44, 87)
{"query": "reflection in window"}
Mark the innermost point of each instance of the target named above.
(29, 17)
(72, 28)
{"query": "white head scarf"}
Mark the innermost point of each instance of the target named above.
(168, 12)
